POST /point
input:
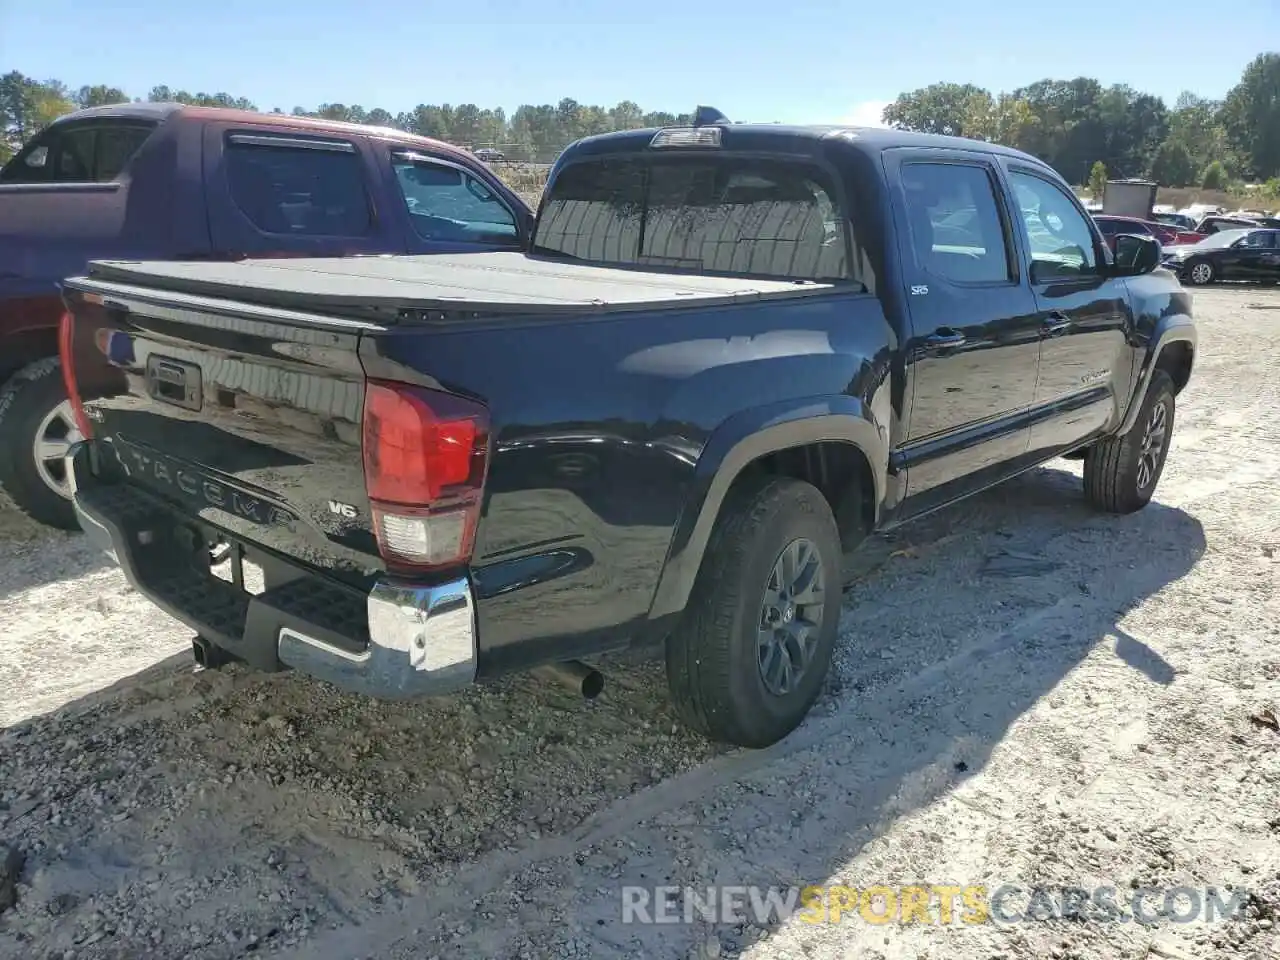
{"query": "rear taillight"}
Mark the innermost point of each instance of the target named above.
(425, 456)
(66, 356)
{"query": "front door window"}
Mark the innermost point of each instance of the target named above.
(449, 204)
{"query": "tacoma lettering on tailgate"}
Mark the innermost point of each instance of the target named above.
(171, 475)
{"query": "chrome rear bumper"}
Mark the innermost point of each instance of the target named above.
(401, 640)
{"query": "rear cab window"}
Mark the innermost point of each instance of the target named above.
(298, 185)
(734, 215)
(92, 151)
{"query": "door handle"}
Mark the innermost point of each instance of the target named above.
(945, 337)
(1056, 323)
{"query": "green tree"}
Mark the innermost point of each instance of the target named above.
(1173, 165)
(1098, 181)
(1196, 123)
(27, 106)
(953, 109)
(163, 94)
(1006, 120)
(1214, 176)
(1071, 124)
(1133, 127)
(99, 95)
(1251, 115)
(1071, 134)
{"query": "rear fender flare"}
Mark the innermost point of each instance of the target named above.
(1177, 328)
(733, 446)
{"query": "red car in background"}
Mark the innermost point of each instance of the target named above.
(163, 181)
(1112, 227)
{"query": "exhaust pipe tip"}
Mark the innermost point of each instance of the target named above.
(592, 684)
(200, 651)
(587, 682)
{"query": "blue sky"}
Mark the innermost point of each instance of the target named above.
(786, 60)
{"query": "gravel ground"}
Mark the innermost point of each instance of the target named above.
(1025, 693)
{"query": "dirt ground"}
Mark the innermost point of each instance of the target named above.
(1025, 693)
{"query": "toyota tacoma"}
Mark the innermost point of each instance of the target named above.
(728, 353)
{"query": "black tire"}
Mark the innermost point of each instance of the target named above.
(714, 674)
(26, 400)
(1113, 467)
(1200, 273)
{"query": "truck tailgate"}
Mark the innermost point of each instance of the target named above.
(249, 421)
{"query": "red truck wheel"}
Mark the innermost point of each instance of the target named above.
(36, 429)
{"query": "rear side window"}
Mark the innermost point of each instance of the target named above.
(298, 187)
(956, 228)
(96, 152)
(115, 147)
(732, 215)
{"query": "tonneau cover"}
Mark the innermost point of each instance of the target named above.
(502, 282)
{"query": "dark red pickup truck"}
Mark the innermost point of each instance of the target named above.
(151, 181)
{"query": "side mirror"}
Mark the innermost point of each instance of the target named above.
(1136, 255)
(527, 222)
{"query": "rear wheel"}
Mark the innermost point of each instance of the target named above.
(37, 429)
(752, 652)
(1200, 272)
(1121, 473)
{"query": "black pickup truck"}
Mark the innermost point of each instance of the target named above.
(729, 353)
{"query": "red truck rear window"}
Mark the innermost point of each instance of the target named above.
(88, 151)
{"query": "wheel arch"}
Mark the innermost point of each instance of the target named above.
(1172, 348)
(20, 349)
(832, 442)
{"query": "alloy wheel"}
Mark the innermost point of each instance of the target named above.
(1153, 440)
(53, 439)
(791, 616)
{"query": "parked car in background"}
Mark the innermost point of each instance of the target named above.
(489, 155)
(166, 181)
(1112, 227)
(1179, 220)
(1198, 211)
(1228, 255)
(1215, 224)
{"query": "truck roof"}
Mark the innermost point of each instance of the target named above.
(786, 138)
(164, 111)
